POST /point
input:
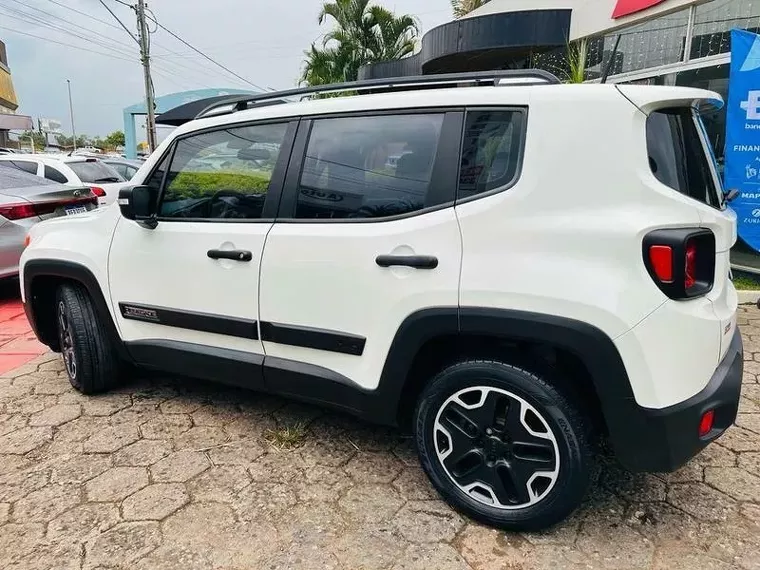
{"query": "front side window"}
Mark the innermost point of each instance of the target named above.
(491, 151)
(222, 174)
(677, 156)
(368, 167)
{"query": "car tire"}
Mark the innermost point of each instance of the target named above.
(503, 446)
(90, 360)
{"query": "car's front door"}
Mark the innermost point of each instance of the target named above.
(367, 235)
(190, 285)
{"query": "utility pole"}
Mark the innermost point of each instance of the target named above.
(71, 113)
(142, 29)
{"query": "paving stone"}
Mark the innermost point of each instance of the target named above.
(166, 426)
(249, 427)
(16, 485)
(484, 548)
(79, 468)
(427, 521)
(750, 511)
(14, 463)
(243, 453)
(739, 546)
(751, 392)
(46, 503)
(200, 438)
(53, 387)
(303, 558)
(279, 465)
(678, 557)
(740, 439)
(664, 522)
(143, 452)
(179, 405)
(750, 422)
(635, 486)
(83, 522)
(82, 429)
(716, 455)
(219, 484)
(609, 543)
(29, 404)
(155, 502)
(321, 484)
(293, 413)
(13, 422)
(701, 501)
(56, 415)
(24, 440)
(5, 509)
(309, 526)
(111, 439)
(212, 528)
(51, 555)
(426, 557)
(374, 467)
(215, 415)
(747, 406)
(116, 484)
(414, 485)
(106, 404)
(692, 472)
(369, 548)
(266, 501)
(169, 557)
(17, 541)
(179, 466)
(123, 544)
(734, 481)
(371, 503)
(331, 452)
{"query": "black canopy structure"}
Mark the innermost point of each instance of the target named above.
(189, 111)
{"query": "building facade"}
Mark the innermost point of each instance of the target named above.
(657, 42)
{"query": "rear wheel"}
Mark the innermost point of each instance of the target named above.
(91, 362)
(502, 445)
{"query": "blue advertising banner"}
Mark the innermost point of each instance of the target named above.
(742, 167)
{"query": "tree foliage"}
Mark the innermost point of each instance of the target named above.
(38, 138)
(115, 139)
(362, 33)
(464, 7)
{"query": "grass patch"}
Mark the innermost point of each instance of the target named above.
(287, 437)
(746, 281)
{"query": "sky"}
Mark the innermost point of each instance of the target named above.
(261, 40)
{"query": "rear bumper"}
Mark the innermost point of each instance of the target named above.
(669, 436)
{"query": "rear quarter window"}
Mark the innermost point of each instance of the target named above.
(677, 155)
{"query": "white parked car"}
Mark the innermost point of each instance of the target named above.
(103, 180)
(511, 270)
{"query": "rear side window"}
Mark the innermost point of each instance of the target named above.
(25, 165)
(55, 175)
(491, 151)
(677, 155)
(94, 171)
(368, 167)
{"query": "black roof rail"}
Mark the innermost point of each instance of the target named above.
(491, 78)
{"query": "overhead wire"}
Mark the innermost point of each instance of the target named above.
(87, 49)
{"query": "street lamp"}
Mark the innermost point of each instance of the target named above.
(71, 113)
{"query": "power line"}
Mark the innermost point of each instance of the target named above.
(192, 47)
(87, 49)
(126, 29)
(104, 22)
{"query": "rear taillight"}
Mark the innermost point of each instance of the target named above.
(98, 191)
(30, 210)
(681, 261)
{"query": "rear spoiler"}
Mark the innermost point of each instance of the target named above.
(649, 98)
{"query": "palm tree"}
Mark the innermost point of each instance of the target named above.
(362, 34)
(464, 7)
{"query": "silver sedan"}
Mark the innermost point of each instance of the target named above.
(26, 199)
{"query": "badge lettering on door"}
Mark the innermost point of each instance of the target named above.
(628, 7)
(139, 313)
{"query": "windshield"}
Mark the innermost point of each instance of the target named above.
(94, 171)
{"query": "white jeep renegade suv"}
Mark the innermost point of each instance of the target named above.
(511, 267)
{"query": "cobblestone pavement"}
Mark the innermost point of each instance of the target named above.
(180, 474)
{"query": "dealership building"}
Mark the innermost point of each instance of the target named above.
(659, 42)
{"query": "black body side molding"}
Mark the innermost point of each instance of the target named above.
(230, 326)
(308, 337)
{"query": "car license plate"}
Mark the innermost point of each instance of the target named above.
(75, 210)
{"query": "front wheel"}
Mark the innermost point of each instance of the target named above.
(503, 446)
(92, 364)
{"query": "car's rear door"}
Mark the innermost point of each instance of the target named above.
(366, 237)
(189, 286)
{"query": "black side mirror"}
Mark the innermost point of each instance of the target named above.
(730, 195)
(140, 203)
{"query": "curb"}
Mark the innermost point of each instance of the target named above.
(748, 297)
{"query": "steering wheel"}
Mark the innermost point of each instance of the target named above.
(221, 194)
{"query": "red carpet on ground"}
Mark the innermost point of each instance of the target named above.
(18, 345)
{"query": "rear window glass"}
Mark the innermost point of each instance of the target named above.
(94, 172)
(11, 177)
(677, 156)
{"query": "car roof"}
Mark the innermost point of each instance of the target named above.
(502, 95)
(50, 158)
